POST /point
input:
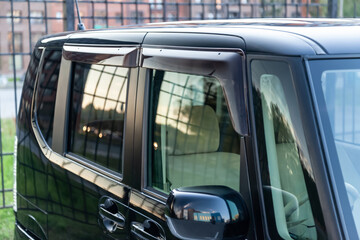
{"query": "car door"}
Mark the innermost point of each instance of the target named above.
(87, 193)
(286, 155)
(190, 123)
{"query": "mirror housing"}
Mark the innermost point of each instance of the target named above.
(207, 212)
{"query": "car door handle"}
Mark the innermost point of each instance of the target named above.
(115, 217)
(149, 230)
(110, 216)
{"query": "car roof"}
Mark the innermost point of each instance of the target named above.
(265, 36)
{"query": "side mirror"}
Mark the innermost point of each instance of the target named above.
(207, 212)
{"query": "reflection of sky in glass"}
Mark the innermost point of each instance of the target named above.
(272, 89)
(93, 78)
(107, 83)
(233, 210)
(179, 92)
(341, 92)
(206, 208)
(341, 88)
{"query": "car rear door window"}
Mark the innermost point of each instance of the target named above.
(98, 105)
(191, 138)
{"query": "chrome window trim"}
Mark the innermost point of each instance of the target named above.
(23, 231)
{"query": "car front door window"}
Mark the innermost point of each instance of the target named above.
(288, 181)
(191, 138)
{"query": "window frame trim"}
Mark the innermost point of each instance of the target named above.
(39, 136)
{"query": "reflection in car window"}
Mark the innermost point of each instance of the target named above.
(337, 82)
(289, 189)
(46, 93)
(97, 114)
(192, 141)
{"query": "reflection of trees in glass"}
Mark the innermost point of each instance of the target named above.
(289, 166)
(92, 114)
(282, 128)
(260, 135)
(104, 127)
(351, 8)
(99, 97)
(102, 122)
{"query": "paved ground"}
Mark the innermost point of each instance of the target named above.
(7, 102)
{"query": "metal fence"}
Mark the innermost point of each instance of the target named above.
(24, 21)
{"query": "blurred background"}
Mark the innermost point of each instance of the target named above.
(23, 22)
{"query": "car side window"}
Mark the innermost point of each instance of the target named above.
(98, 105)
(191, 139)
(46, 93)
(290, 195)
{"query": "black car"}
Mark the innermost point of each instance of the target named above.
(243, 129)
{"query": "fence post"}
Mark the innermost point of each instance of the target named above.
(164, 11)
(355, 13)
(332, 8)
(69, 15)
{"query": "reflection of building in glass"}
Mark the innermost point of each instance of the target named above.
(208, 217)
(191, 214)
(98, 109)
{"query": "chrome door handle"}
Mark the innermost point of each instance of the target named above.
(141, 230)
(111, 218)
(115, 217)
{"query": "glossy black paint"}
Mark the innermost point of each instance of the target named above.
(194, 40)
(60, 197)
(216, 212)
(107, 38)
(31, 165)
(290, 37)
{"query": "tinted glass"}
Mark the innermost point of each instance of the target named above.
(46, 93)
(192, 141)
(291, 200)
(98, 113)
(337, 85)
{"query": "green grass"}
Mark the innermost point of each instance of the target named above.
(8, 134)
(12, 79)
(7, 219)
